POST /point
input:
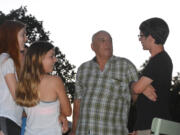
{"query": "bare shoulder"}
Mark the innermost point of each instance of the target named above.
(54, 80)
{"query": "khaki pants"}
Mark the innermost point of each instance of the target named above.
(144, 132)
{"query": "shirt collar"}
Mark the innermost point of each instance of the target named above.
(110, 59)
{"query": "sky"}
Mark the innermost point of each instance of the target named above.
(73, 22)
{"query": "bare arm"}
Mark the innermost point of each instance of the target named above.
(133, 94)
(76, 110)
(134, 97)
(150, 93)
(64, 122)
(141, 84)
(64, 101)
(11, 83)
(144, 86)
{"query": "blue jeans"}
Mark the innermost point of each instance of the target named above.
(23, 125)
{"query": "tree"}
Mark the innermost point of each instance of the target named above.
(142, 68)
(65, 70)
(35, 31)
(175, 98)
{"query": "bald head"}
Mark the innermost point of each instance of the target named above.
(101, 32)
(102, 44)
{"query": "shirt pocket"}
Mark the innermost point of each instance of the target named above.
(116, 89)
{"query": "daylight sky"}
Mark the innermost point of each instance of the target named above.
(73, 22)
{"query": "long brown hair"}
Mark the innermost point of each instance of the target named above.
(27, 91)
(9, 41)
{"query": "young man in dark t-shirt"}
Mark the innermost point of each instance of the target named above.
(156, 76)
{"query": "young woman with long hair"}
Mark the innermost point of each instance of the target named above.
(42, 95)
(12, 40)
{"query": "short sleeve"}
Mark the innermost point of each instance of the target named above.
(150, 70)
(8, 67)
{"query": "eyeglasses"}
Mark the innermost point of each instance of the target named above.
(140, 36)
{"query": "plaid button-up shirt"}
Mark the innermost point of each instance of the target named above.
(105, 96)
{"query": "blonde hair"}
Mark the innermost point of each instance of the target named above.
(27, 91)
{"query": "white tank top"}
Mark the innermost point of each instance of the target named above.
(43, 119)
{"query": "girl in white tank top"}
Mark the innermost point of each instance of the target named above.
(43, 115)
(42, 95)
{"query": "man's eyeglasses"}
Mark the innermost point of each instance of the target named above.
(140, 36)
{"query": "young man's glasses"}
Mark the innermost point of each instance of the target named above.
(140, 36)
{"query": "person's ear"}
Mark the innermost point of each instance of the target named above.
(92, 46)
(151, 39)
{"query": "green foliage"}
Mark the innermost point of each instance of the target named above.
(142, 68)
(175, 98)
(35, 31)
(65, 70)
(176, 83)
